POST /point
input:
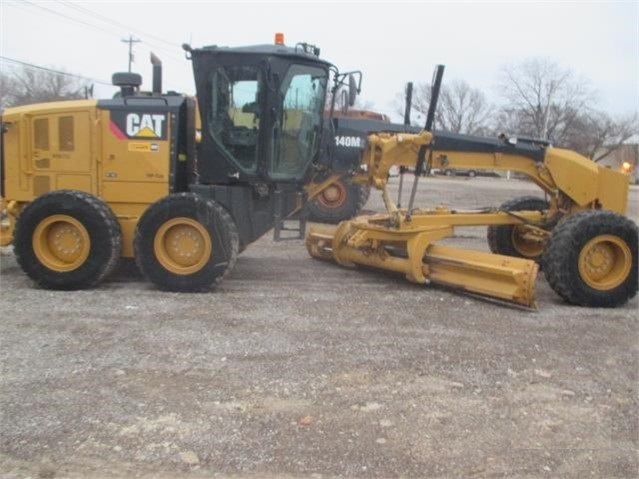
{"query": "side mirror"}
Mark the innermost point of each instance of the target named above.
(352, 90)
(346, 102)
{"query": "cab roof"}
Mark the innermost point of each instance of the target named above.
(301, 50)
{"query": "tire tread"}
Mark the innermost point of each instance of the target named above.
(145, 260)
(560, 258)
(67, 199)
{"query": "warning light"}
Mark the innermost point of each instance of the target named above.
(279, 38)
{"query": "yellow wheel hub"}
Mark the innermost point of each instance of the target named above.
(61, 243)
(182, 246)
(525, 244)
(333, 196)
(605, 262)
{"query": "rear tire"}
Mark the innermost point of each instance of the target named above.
(508, 239)
(340, 201)
(185, 242)
(591, 259)
(67, 240)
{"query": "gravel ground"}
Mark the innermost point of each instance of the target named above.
(298, 368)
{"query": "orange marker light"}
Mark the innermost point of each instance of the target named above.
(279, 39)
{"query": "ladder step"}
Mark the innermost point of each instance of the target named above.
(294, 228)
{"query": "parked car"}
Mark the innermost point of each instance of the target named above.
(467, 172)
(457, 172)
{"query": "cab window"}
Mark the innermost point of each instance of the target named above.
(296, 134)
(234, 120)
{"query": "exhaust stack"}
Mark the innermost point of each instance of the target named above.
(157, 74)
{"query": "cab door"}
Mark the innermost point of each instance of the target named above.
(296, 131)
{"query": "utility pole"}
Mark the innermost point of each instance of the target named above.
(131, 41)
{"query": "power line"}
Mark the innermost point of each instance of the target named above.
(65, 14)
(106, 19)
(50, 70)
(109, 30)
(60, 14)
(114, 23)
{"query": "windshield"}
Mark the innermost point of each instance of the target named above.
(296, 133)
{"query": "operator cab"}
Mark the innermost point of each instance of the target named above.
(261, 111)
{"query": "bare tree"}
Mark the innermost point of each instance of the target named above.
(463, 109)
(460, 109)
(30, 85)
(596, 135)
(544, 99)
(549, 102)
(6, 86)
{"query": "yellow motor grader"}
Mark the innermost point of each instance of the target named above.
(183, 187)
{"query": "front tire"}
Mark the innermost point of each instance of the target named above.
(591, 259)
(185, 242)
(67, 240)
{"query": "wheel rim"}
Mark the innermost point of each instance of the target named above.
(605, 262)
(61, 243)
(524, 246)
(333, 196)
(182, 246)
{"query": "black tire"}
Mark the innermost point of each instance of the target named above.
(204, 238)
(591, 259)
(506, 240)
(67, 240)
(341, 201)
(449, 173)
(472, 174)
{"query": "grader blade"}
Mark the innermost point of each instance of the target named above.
(502, 277)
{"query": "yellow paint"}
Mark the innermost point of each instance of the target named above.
(128, 175)
(61, 243)
(413, 254)
(182, 246)
(605, 262)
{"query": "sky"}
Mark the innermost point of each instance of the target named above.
(391, 42)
